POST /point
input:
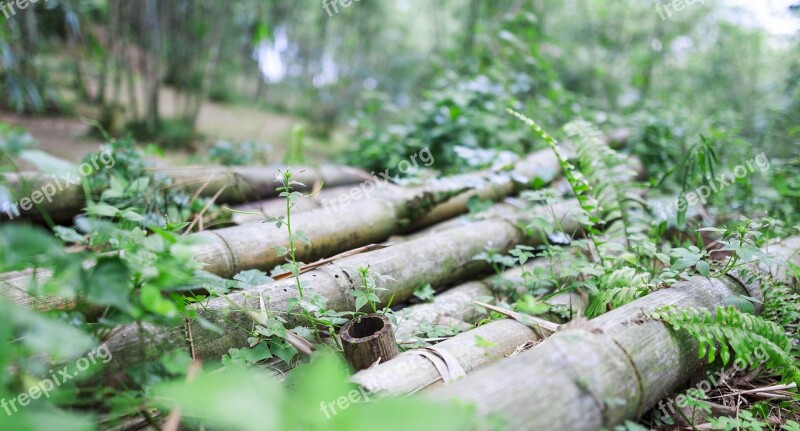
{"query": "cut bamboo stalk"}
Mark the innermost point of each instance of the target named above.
(14, 287)
(444, 259)
(249, 183)
(786, 253)
(457, 302)
(227, 251)
(411, 372)
(368, 340)
(33, 191)
(277, 206)
(454, 303)
(599, 373)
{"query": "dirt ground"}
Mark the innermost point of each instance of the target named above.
(67, 137)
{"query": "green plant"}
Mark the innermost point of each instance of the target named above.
(294, 151)
(744, 421)
(602, 181)
(169, 133)
(735, 336)
(366, 295)
(460, 121)
(239, 153)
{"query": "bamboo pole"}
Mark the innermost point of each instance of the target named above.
(454, 303)
(277, 206)
(597, 374)
(786, 253)
(411, 372)
(249, 183)
(457, 302)
(228, 251)
(55, 195)
(62, 200)
(440, 260)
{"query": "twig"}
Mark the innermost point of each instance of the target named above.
(301, 344)
(774, 388)
(199, 215)
(534, 322)
(190, 339)
(317, 264)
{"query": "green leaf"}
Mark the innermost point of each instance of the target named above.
(742, 303)
(69, 235)
(425, 292)
(702, 268)
(283, 350)
(302, 237)
(154, 302)
(258, 353)
(220, 398)
(102, 210)
(252, 278)
(131, 215)
(108, 284)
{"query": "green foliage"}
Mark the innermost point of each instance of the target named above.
(617, 288)
(25, 86)
(294, 151)
(602, 181)
(425, 292)
(745, 421)
(735, 336)
(134, 194)
(460, 121)
(167, 133)
(245, 400)
(240, 153)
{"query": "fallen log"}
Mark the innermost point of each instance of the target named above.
(599, 373)
(226, 252)
(444, 259)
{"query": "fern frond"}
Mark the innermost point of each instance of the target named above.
(743, 334)
(617, 288)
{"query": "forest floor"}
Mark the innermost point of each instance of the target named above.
(68, 137)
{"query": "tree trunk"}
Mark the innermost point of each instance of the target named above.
(152, 61)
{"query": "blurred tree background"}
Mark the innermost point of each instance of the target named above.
(381, 79)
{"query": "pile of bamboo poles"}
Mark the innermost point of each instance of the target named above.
(537, 373)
